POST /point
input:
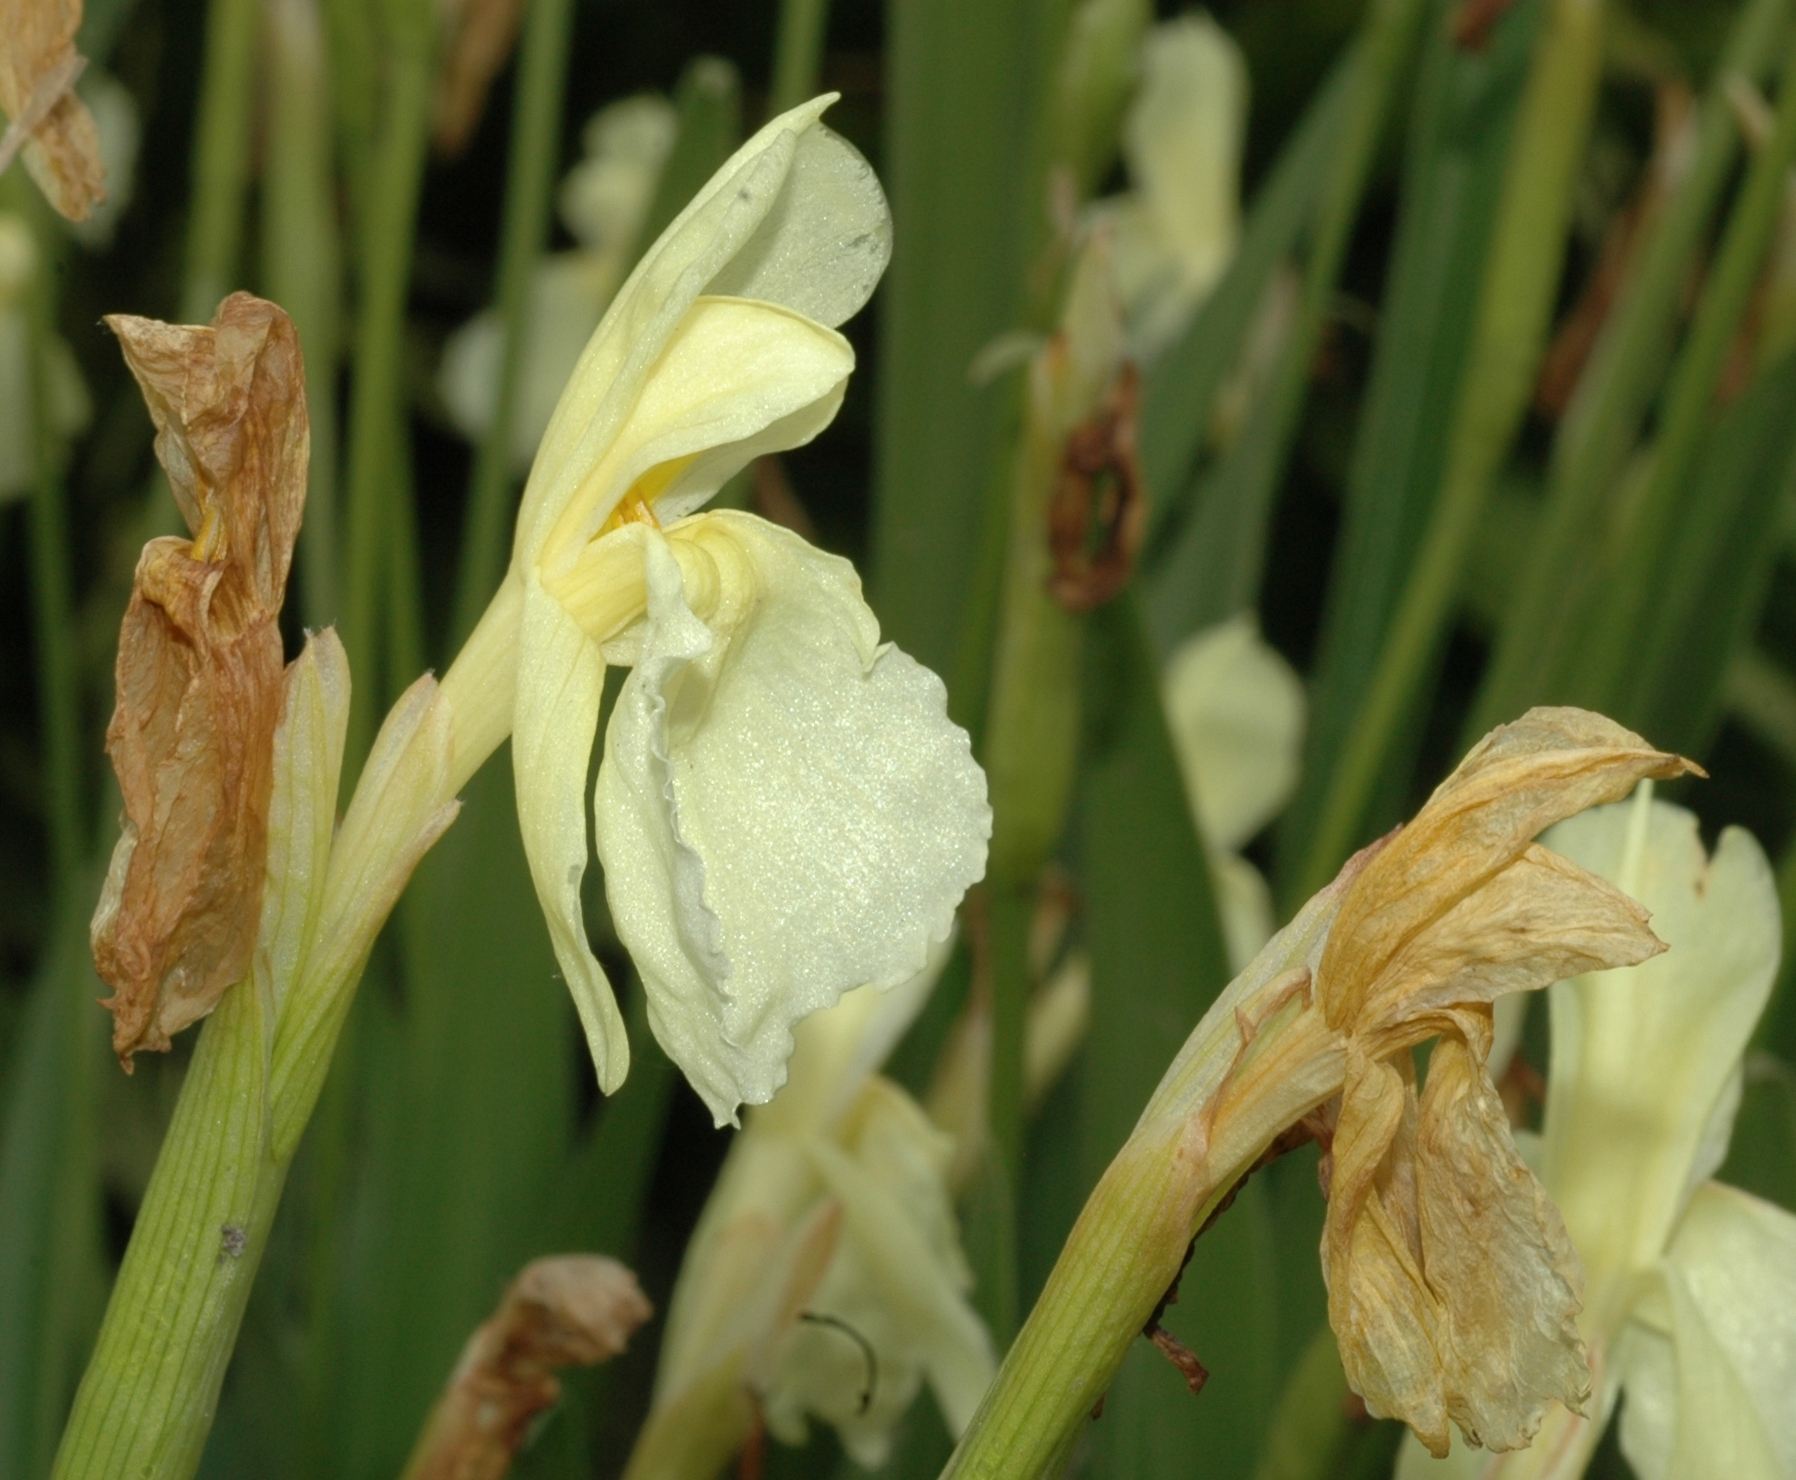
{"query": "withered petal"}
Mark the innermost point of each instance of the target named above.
(38, 68)
(228, 400)
(1519, 780)
(199, 670)
(562, 1311)
(1453, 1289)
(1497, 1258)
(1538, 921)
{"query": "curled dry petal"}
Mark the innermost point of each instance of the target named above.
(566, 1310)
(48, 123)
(199, 667)
(1453, 1288)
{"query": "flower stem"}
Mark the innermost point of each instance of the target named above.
(1203, 1131)
(146, 1404)
(798, 52)
(388, 220)
(530, 176)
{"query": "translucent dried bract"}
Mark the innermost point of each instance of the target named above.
(1453, 1288)
(199, 667)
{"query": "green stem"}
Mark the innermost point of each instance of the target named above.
(388, 222)
(798, 52)
(1515, 307)
(1201, 1131)
(1611, 660)
(146, 1404)
(529, 182)
(1614, 392)
(221, 156)
(303, 261)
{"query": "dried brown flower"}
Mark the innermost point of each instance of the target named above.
(563, 1311)
(199, 667)
(38, 69)
(1453, 1289)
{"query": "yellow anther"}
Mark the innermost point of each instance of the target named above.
(209, 540)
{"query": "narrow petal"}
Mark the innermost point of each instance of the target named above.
(784, 813)
(1384, 1315)
(1644, 1059)
(1712, 1396)
(915, 1285)
(561, 676)
(1497, 1258)
(1517, 781)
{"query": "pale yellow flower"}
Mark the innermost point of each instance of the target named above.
(825, 1279)
(784, 811)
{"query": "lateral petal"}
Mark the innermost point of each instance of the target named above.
(561, 677)
(1712, 1395)
(1644, 1058)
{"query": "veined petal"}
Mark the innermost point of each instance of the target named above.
(1452, 1285)
(1539, 921)
(805, 216)
(561, 676)
(737, 378)
(1711, 1395)
(784, 811)
(1518, 780)
(1644, 1058)
(1496, 1254)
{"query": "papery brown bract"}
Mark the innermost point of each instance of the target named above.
(199, 667)
(566, 1310)
(51, 126)
(1453, 1289)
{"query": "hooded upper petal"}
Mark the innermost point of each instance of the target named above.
(784, 810)
(1645, 1060)
(795, 218)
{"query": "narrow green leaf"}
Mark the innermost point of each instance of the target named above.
(1452, 185)
(1157, 961)
(1179, 390)
(1614, 394)
(961, 92)
(1515, 302)
(529, 184)
(708, 101)
(221, 155)
(1658, 546)
(1708, 602)
(462, 1156)
(1214, 567)
(302, 259)
(51, 1268)
(797, 52)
